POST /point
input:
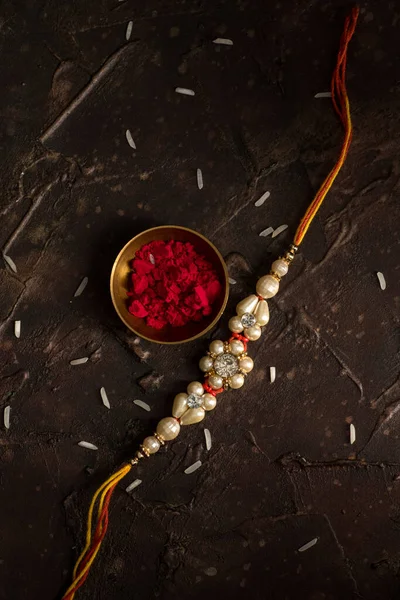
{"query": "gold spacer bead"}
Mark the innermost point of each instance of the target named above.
(159, 438)
(145, 451)
(134, 461)
(139, 455)
(275, 275)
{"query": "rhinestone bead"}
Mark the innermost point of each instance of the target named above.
(226, 365)
(248, 320)
(194, 401)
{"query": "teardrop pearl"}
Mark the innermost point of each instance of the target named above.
(253, 333)
(193, 415)
(168, 428)
(217, 347)
(180, 405)
(237, 347)
(246, 364)
(215, 382)
(267, 286)
(195, 388)
(209, 402)
(262, 313)
(151, 444)
(236, 381)
(247, 305)
(235, 325)
(280, 267)
(206, 363)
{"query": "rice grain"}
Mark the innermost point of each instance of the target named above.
(81, 287)
(133, 485)
(7, 411)
(87, 445)
(382, 280)
(130, 140)
(200, 182)
(79, 361)
(223, 41)
(193, 467)
(184, 91)
(272, 374)
(309, 545)
(262, 199)
(266, 232)
(104, 398)
(142, 404)
(323, 95)
(17, 329)
(9, 261)
(352, 433)
(129, 31)
(232, 281)
(279, 230)
(207, 436)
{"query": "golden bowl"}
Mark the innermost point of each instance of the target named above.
(120, 282)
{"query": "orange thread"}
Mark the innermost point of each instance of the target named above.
(341, 105)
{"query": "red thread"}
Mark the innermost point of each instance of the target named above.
(211, 390)
(242, 338)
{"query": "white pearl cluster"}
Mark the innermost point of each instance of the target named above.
(253, 311)
(226, 363)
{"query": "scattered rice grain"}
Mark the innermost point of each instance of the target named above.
(17, 329)
(382, 280)
(152, 259)
(207, 435)
(323, 95)
(352, 433)
(9, 261)
(279, 230)
(79, 361)
(272, 374)
(87, 445)
(309, 545)
(223, 41)
(129, 31)
(142, 404)
(193, 467)
(200, 179)
(7, 411)
(184, 91)
(266, 232)
(232, 281)
(129, 139)
(133, 485)
(262, 199)
(81, 287)
(104, 398)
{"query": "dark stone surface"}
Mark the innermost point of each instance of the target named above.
(281, 471)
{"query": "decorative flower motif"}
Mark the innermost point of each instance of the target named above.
(190, 408)
(226, 364)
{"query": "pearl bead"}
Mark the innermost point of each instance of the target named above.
(247, 305)
(193, 415)
(180, 405)
(151, 444)
(215, 381)
(168, 428)
(206, 363)
(217, 347)
(209, 402)
(280, 267)
(262, 313)
(253, 333)
(236, 381)
(195, 388)
(246, 364)
(237, 347)
(235, 325)
(267, 286)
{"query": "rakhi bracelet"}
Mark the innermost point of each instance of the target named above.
(227, 364)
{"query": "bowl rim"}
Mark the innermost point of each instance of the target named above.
(218, 315)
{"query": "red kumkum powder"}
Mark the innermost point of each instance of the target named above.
(171, 284)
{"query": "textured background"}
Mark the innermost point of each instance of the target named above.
(281, 470)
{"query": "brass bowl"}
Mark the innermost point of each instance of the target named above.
(120, 282)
